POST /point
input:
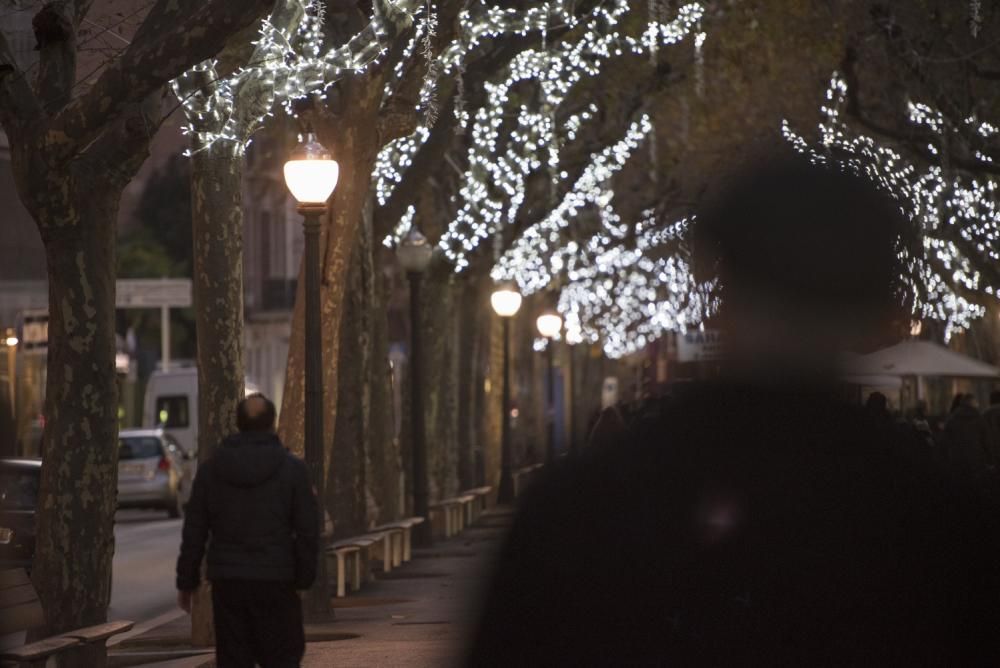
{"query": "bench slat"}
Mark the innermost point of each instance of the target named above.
(101, 631)
(40, 649)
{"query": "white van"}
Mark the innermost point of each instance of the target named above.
(171, 402)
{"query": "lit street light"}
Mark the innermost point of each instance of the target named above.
(549, 325)
(506, 301)
(414, 254)
(311, 175)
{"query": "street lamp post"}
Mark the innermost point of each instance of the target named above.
(311, 176)
(506, 301)
(549, 325)
(414, 254)
(10, 340)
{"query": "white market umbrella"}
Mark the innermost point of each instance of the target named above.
(918, 358)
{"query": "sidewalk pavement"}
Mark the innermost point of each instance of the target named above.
(420, 614)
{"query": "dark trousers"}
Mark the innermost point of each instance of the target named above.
(257, 623)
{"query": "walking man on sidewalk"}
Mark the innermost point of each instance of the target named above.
(253, 505)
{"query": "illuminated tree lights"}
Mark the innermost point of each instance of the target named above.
(957, 214)
(288, 63)
(639, 297)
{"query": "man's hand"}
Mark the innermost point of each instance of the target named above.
(184, 600)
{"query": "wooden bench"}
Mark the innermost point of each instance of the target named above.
(20, 610)
(445, 516)
(406, 526)
(482, 495)
(343, 551)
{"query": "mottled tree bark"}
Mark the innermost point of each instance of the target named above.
(383, 449)
(438, 324)
(347, 465)
(71, 158)
(77, 499)
(217, 221)
(491, 414)
(470, 324)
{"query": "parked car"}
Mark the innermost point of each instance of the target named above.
(154, 471)
(19, 479)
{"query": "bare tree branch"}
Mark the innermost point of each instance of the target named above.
(168, 43)
(914, 140)
(55, 32)
(18, 104)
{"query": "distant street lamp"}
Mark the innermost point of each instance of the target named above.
(506, 301)
(414, 254)
(549, 325)
(311, 175)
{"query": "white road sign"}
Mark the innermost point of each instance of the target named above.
(154, 293)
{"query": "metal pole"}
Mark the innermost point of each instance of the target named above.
(317, 603)
(422, 534)
(12, 380)
(549, 352)
(505, 494)
(165, 337)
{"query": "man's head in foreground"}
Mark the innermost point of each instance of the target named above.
(256, 413)
(808, 262)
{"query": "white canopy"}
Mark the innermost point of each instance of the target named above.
(918, 358)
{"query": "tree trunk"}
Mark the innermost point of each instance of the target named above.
(347, 465)
(437, 311)
(383, 454)
(491, 415)
(470, 325)
(217, 222)
(77, 499)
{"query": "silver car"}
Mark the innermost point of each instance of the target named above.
(153, 471)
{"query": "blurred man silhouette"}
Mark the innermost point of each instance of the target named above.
(760, 520)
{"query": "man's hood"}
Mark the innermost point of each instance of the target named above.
(249, 459)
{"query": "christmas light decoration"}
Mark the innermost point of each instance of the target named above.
(502, 155)
(957, 215)
(289, 62)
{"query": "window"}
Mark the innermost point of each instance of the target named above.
(172, 412)
(141, 447)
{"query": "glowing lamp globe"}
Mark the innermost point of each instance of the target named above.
(414, 252)
(549, 324)
(506, 300)
(11, 340)
(311, 173)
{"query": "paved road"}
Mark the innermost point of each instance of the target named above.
(146, 544)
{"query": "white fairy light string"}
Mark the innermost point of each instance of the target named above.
(503, 154)
(956, 214)
(288, 63)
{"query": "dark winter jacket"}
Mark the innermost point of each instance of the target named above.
(967, 439)
(253, 505)
(747, 527)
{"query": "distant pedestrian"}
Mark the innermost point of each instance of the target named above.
(967, 441)
(877, 406)
(609, 427)
(252, 504)
(992, 417)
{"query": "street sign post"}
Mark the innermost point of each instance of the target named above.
(162, 293)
